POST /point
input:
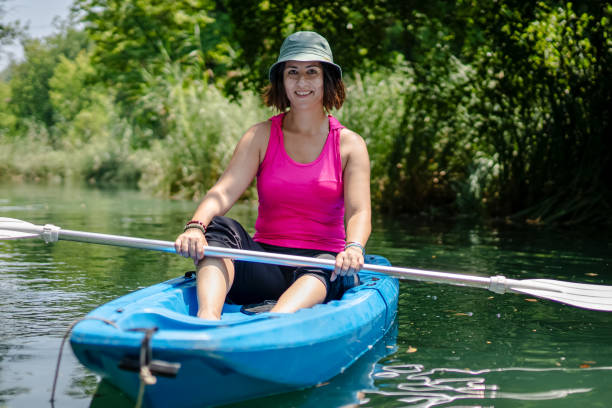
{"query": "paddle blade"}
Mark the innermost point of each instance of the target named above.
(583, 295)
(9, 229)
(5, 234)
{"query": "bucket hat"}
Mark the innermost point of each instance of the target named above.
(304, 46)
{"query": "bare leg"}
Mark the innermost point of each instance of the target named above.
(307, 291)
(214, 279)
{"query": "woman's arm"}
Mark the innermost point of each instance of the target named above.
(357, 212)
(240, 171)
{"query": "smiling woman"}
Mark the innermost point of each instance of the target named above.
(313, 178)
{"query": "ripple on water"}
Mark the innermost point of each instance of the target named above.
(418, 386)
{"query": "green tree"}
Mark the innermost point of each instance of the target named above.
(29, 83)
(82, 106)
(510, 110)
(69, 87)
(136, 38)
(30, 79)
(547, 69)
(357, 32)
(364, 34)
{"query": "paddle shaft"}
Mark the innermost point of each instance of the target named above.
(582, 295)
(52, 233)
(267, 257)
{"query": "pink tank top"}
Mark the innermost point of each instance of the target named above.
(301, 205)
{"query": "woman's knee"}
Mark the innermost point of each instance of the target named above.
(215, 268)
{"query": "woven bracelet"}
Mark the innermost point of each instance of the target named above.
(355, 244)
(195, 224)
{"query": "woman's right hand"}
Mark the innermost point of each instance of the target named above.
(190, 244)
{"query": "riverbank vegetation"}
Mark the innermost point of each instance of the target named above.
(496, 108)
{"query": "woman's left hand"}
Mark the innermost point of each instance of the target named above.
(348, 262)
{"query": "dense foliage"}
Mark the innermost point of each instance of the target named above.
(495, 108)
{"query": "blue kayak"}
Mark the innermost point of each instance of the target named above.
(195, 362)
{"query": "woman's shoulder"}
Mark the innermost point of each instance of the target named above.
(256, 139)
(262, 126)
(353, 148)
(259, 131)
(350, 138)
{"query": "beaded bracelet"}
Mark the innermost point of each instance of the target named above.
(355, 244)
(195, 224)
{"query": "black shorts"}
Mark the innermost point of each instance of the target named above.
(256, 282)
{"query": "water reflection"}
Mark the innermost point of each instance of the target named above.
(414, 385)
(482, 336)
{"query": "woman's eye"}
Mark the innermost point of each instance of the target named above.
(308, 72)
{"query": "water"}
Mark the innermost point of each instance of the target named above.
(451, 346)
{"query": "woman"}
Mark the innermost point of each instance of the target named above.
(313, 181)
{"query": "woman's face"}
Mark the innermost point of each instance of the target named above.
(303, 82)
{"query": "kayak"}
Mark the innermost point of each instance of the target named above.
(150, 344)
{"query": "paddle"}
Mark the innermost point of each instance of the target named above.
(586, 296)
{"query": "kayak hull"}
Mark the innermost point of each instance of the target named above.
(201, 363)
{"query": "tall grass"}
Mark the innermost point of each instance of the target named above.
(92, 148)
(100, 146)
(203, 126)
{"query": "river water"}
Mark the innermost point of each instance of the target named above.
(451, 346)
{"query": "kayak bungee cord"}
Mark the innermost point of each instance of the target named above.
(145, 376)
(61, 349)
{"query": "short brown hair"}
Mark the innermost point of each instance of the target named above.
(334, 91)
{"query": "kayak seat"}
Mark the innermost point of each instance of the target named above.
(256, 308)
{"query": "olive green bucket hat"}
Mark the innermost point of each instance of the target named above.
(304, 46)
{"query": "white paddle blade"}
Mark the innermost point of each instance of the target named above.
(5, 234)
(9, 229)
(583, 295)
